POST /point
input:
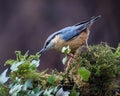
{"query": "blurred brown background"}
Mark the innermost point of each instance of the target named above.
(25, 25)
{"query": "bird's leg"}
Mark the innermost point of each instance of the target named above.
(86, 43)
(69, 60)
(70, 55)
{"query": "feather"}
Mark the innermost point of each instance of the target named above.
(75, 30)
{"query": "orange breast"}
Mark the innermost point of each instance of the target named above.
(74, 43)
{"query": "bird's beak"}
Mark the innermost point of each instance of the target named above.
(42, 51)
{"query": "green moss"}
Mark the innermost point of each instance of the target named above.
(104, 64)
(94, 71)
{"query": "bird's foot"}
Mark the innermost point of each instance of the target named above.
(70, 56)
(68, 62)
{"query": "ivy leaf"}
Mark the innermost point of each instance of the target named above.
(66, 50)
(14, 66)
(60, 92)
(36, 92)
(74, 92)
(16, 81)
(64, 60)
(28, 84)
(55, 89)
(51, 79)
(15, 89)
(35, 63)
(3, 77)
(48, 92)
(84, 73)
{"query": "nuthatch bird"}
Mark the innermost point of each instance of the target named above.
(72, 36)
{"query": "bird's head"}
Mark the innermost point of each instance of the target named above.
(48, 45)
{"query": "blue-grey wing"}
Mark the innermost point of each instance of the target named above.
(72, 31)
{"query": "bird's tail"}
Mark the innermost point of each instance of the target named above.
(89, 21)
(94, 19)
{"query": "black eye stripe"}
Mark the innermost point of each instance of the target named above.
(47, 43)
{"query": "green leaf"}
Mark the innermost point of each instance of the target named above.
(51, 79)
(15, 89)
(64, 60)
(48, 92)
(84, 73)
(14, 66)
(16, 81)
(117, 52)
(3, 77)
(35, 92)
(61, 92)
(51, 91)
(28, 84)
(66, 50)
(74, 92)
(35, 63)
